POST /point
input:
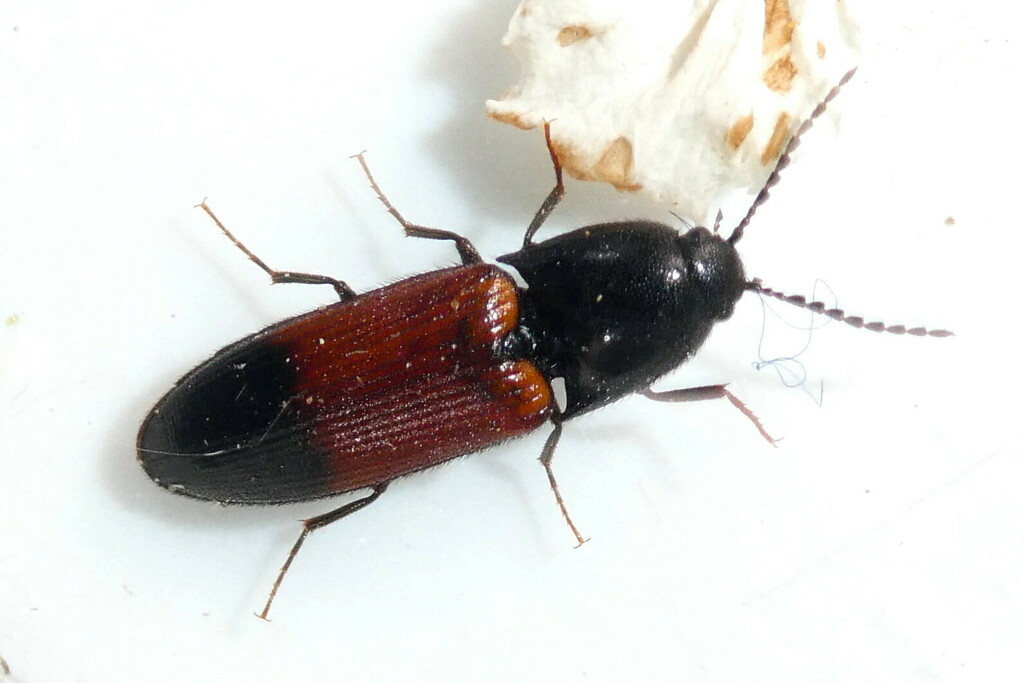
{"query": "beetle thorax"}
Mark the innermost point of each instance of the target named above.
(613, 307)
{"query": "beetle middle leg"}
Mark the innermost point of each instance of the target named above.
(545, 459)
(278, 276)
(706, 393)
(553, 198)
(312, 524)
(466, 249)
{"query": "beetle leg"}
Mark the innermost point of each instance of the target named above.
(278, 276)
(706, 393)
(466, 249)
(312, 524)
(553, 198)
(545, 459)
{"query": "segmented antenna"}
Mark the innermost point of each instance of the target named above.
(840, 315)
(783, 161)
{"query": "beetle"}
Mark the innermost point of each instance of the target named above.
(396, 380)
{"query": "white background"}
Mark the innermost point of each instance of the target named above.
(882, 540)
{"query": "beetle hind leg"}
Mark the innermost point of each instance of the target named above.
(312, 524)
(281, 276)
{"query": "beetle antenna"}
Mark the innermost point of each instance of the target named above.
(840, 315)
(784, 159)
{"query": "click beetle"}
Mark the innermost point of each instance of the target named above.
(399, 379)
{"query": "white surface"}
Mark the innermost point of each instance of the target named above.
(881, 541)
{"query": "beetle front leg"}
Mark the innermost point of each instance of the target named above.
(553, 198)
(706, 393)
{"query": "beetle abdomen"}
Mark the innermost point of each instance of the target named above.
(394, 381)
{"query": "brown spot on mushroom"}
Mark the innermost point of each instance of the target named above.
(739, 131)
(511, 118)
(779, 75)
(574, 34)
(821, 50)
(778, 34)
(778, 25)
(614, 166)
(779, 137)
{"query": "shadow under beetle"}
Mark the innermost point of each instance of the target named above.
(399, 379)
